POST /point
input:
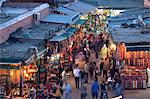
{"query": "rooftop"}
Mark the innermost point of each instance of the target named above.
(15, 9)
(65, 16)
(132, 14)
(116, 3)
(17, 51)
(38, 32)
(129, 35)
(81, 7)
(16, 13)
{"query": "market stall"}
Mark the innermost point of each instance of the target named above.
(9, 78)
(135, 63)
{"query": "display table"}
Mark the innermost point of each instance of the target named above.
(134, 77)
(134, 82)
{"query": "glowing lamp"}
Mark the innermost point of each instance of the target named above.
(52, 58)
(11, 73)
(113, 47)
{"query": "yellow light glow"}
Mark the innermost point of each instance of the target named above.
(26, 75)
(52, 58)
(24, 71)
(113, 47)
(11, 73)
(58, 55)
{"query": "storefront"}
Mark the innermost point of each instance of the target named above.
(10, 77)
(135, 60)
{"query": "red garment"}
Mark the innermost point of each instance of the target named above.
(49, 86)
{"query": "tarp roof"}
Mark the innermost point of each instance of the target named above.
(15, 52)
(81, 21)
(129, 35)
(39, 32)
(68, 16)
(56, 18)
(81, 7)
(58, 38)
(116, 3)
(65, 35)
(70, 31)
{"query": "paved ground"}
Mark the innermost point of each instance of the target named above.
(129, 94)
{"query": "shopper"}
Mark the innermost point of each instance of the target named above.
(91, 70)
(106, 68)
(96, 72)
(101, 66)
(86, 70)
(95, 89)
(104, 91)
(83, 91)
(67, 91)
(117, 87)
(76, 72)
(82, 76)
(64, 75)
(58, 92)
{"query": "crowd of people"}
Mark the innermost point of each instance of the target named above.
(102, 70)
(91, 61)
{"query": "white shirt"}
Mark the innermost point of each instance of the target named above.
(63, 74)
(109, 79)
(76, 72)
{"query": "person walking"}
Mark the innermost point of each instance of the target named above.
(106, 67)
(83, 91)
(96, 72)
(117, 87)
(67, 91)
(91, 70)
(101, 66)
(64, 75)
(104, 90)
(82, 76)
(76, 73)
(95, 89)
(86, 70)
(58, 92)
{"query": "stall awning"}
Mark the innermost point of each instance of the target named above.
(67, 16)
(81, 21)
(70, 32)
(10, 60)
(138, 48)
(9, 67)
(58, 38)
(81, 7)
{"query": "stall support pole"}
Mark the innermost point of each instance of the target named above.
(21, 81)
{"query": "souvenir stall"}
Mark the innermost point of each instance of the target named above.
(135, 62)
(29, 72)
(52, 67)
(9, 78)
